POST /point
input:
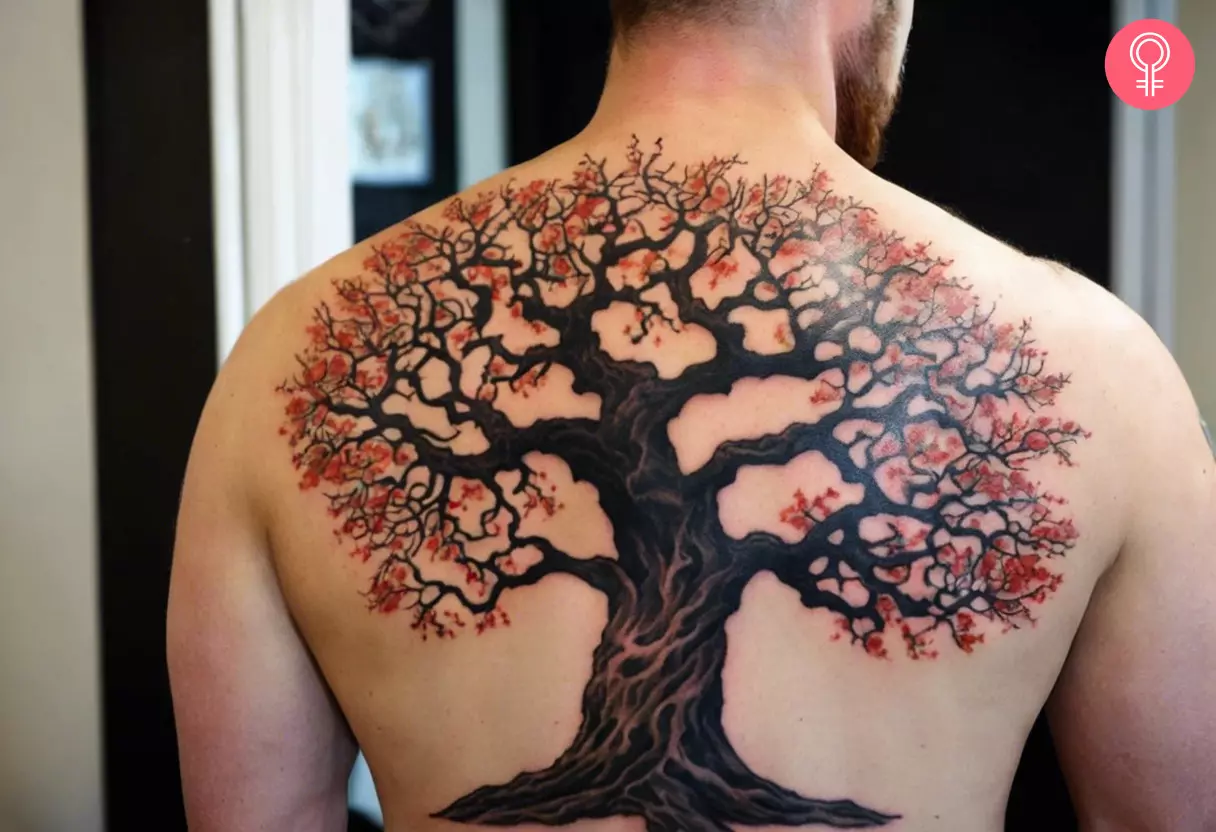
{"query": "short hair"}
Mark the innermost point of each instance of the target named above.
(629, 16)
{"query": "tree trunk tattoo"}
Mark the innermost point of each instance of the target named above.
(408, 411)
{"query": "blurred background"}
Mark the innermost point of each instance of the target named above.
(165, 167)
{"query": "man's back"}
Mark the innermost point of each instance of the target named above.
(688, 486)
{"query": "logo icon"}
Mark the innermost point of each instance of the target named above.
(1150, 83)
(1150, 64)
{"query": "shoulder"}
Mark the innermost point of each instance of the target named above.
(245, 423)
(1149, 448)
(1085, 324)
(1123, 383)
(275, 337)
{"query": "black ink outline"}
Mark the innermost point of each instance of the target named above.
(651, 743)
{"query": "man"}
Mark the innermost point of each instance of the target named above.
(674, 480)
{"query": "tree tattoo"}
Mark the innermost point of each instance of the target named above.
(546, 342)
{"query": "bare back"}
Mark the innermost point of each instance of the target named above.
(647, 488)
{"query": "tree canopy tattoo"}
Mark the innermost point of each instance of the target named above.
(536, 354)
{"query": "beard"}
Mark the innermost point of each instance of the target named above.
(864, 101)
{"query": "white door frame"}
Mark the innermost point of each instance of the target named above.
(481, 90)
(1144, 186)
(227, 179)
(282, 177)
(281, 173)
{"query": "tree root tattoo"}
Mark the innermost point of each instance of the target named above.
(408, 412)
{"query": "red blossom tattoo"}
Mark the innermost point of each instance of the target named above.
(575, 320)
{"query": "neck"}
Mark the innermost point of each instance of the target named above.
(723, 82)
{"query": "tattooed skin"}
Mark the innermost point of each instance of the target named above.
(580, 321)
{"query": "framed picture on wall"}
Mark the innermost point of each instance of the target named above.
(391, 118)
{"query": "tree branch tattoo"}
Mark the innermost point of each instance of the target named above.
(578, 320)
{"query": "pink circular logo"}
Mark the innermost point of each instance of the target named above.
(1150, 64)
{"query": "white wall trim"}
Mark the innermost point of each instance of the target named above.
(298, 212)
(280, 147)
(283, 197)
(282, 179)
(226, 172)
(481, 90)
(1144, 183)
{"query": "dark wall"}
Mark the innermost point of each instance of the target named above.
(154, 332)
(431, 37)
(557, 61)
(1005, 118)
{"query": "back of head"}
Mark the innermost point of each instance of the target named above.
(632, 16)
(842, 57)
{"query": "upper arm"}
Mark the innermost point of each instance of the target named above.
(262, 744)
(1134, 712)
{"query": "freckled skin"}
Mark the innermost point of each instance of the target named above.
(612, 301)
